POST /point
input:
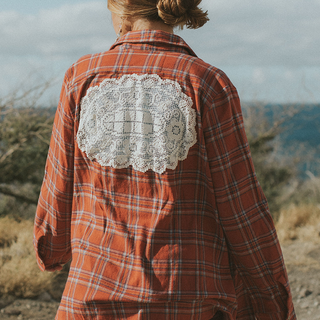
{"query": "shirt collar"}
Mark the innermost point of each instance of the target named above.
(155, 38)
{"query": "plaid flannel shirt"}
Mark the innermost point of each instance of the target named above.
(178, 245)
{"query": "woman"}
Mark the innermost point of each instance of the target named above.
(150, 187)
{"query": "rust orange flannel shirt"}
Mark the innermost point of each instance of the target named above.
(181, 244)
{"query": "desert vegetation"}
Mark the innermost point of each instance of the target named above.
(25, 129)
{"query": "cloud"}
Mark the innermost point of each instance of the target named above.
(256, 32)
(245, 32)
(246, 38)
(70, 30)
(43, 45)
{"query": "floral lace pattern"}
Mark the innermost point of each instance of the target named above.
(138, 120)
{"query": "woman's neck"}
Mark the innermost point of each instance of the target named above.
(144, 24)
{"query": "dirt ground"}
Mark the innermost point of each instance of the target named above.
(303, 264)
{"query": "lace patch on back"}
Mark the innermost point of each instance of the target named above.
(138, 120)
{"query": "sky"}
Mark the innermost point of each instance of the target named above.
(269, 49)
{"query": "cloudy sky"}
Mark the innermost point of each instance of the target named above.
(269, 49)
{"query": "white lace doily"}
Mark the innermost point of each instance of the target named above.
(138, 120)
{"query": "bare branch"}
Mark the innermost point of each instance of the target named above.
(21, 197)
(14, 148)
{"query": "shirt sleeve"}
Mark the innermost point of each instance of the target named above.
(256, 259)
(52, 224)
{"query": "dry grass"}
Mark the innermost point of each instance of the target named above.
(299, 223)
(20, 275)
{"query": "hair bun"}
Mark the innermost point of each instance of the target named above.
(182, 12)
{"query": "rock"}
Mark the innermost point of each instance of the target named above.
(5, 302)
(305, 293)
(12, 312)
(45, 296)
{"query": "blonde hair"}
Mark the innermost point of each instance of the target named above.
(171, 12)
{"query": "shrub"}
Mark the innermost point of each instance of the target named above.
(20, 275)
(264, 126)
(299, 222)
(24, 139)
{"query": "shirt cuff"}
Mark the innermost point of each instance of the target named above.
(48, 265)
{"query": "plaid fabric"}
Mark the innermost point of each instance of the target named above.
(177, 245)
